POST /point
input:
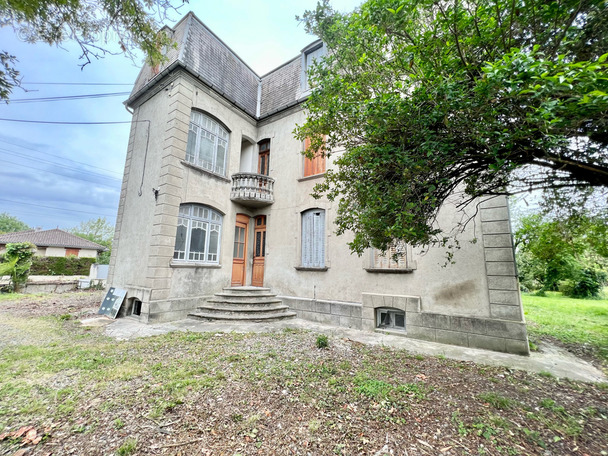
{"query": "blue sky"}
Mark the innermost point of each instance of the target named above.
(59, 175)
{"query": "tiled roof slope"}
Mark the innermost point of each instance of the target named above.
(207, 57)
(50, 238)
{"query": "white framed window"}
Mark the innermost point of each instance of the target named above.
(390, 318)
(207, 143)
(313, 238)
(199, 232)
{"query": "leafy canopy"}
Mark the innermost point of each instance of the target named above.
(437, 102)
(92, 25)
(11, 224)
(569, 254)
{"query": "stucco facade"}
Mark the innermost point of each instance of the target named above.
(473, 303)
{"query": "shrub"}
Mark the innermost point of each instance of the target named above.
(18, 259)
(587, 284)
(61, 266)
(322, 341)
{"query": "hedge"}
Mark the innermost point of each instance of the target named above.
(61, 266)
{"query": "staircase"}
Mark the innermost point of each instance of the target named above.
(243, 304)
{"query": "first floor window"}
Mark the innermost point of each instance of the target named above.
(207, 143)
(199, 230)
(313, 238)
(394, 258)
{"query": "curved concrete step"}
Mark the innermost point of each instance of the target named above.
(244, 301)
(246, 309)
(246, 290)
(242, 318)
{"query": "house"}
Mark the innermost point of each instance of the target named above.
(216, 194)
(53, 243)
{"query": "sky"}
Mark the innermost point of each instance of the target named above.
(56, 175)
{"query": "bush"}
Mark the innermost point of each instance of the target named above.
(18, 259)
(61, 266)
(587, 284)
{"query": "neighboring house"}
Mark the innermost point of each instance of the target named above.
(53, 243)
(216, 193)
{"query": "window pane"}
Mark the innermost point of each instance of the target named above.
(206, 147)
(385, 319)
(197, 239)
(400, 320)
(180, 239)
(221, 157)
(191, 147)
(214, 237)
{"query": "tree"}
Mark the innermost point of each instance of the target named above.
(10, 224)
(435, 99)
(569, 254)
(18, 262)
(89, 24)
(97, 230)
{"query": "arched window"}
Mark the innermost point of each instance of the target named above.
(207, 143)
(313, 238)
(199, 231)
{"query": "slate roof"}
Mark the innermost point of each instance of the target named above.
(208, 58)
(50, 238)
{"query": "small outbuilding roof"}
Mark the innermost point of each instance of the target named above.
(50, 238)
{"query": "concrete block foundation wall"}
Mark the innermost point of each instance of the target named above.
(490, 334)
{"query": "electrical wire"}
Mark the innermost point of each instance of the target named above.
(64, 175)
(69, 168)
(60, 156)
(79, 83)
(68, 97)
(69, 123)
(53, 207)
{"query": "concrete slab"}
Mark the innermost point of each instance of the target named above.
(554, 360)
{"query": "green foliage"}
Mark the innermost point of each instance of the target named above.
(89, 24)
(61, 266)
(322, 341)
(18, 259)
(563, 253)
(100, 231)
(127, 448)
(9, 223)
(447, 102)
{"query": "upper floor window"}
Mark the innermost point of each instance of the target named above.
(264, 157)
(313, 238)
(207, 143)
(315, 165)
(199, 230)
(309, 56)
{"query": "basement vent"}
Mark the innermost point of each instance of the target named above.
(390, 319)
(135, 307)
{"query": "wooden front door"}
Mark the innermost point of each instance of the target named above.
(239, 267)
(259, 251)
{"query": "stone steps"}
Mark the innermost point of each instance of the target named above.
(243, 304)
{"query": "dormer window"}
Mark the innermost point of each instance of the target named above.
(309, 55)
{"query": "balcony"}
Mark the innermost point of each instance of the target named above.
(251, 189)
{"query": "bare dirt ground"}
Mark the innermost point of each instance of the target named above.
(69, 390)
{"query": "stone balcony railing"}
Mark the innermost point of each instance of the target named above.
(251, 189)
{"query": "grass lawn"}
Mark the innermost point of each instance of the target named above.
(68, 389)
(571, 321)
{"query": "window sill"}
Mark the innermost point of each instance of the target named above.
(306, 268)
(314, 176)
(192, 264)
(390, 271)
(205, 171)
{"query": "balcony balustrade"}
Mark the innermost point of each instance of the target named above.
(251, 189)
